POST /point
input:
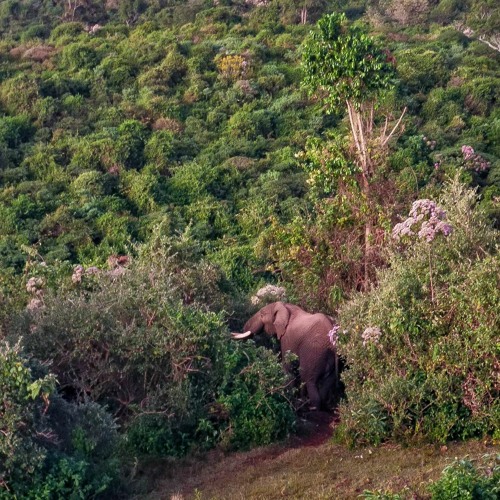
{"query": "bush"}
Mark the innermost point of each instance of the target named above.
(421, 70)
(421, 346)
(24, 397)
(77, 56)
(149, 342)
(49, 448)
(463, 480)
(254, 395)
(132, 136)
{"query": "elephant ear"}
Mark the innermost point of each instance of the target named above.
(281, 317)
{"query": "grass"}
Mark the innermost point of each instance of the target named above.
(305, 468)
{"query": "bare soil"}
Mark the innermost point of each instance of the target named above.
(307, 466)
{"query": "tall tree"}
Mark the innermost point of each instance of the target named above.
(350, 70)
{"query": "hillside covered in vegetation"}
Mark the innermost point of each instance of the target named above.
(162, 160)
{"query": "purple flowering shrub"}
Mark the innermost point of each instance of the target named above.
(473, 160)
(423, 367)
(428, 218)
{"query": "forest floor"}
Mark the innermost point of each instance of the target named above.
(305, 466)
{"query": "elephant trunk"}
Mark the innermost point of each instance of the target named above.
(252, 326)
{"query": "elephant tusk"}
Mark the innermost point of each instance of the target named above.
(241, 335)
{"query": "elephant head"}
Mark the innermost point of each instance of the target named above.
(272, 319)
(307, 336)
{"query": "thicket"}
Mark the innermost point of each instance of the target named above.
(422, 346)
(143, 348)
(49, 447)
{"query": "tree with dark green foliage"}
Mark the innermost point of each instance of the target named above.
(351, 70)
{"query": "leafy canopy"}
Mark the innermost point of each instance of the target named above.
(345, 63)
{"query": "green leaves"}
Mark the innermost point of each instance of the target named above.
(345, 63)
(327, 162)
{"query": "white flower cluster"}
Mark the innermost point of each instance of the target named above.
(431, 218)
(80, 271)
(34, 304)
(35, 285)
(371, 335)
(269, 291)
(333, 335)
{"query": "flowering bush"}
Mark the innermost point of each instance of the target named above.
(232, 67)
(474, 161)
(429, 216)
(430, 367)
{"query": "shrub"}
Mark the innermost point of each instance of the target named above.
(421, 70)
(421, 346)
(19, 95)
(232, 67)
(149, 342)
(66, 31)
(15, 130)
(462, 479)
(159, 147)
(132, 136)
(77, 56)
(23, 396)
(49, 448)
(254, 395)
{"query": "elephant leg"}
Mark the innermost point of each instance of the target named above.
(327, 385)
(313, 393)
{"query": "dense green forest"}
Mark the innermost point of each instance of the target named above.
(163, 160)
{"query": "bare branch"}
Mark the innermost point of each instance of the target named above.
(395, 127)
(493, 42)
(353, 126)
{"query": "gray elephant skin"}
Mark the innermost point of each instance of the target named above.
(305, 335)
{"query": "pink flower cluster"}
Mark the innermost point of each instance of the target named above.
(333, 335)
(429, 216)
(474, 161)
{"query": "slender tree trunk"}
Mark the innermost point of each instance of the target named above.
(303, 14)
(362, 129)
(367, 138)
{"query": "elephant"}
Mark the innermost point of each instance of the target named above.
(307, 336)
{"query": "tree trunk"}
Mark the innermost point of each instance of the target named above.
(303, 15)
(361, 122)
